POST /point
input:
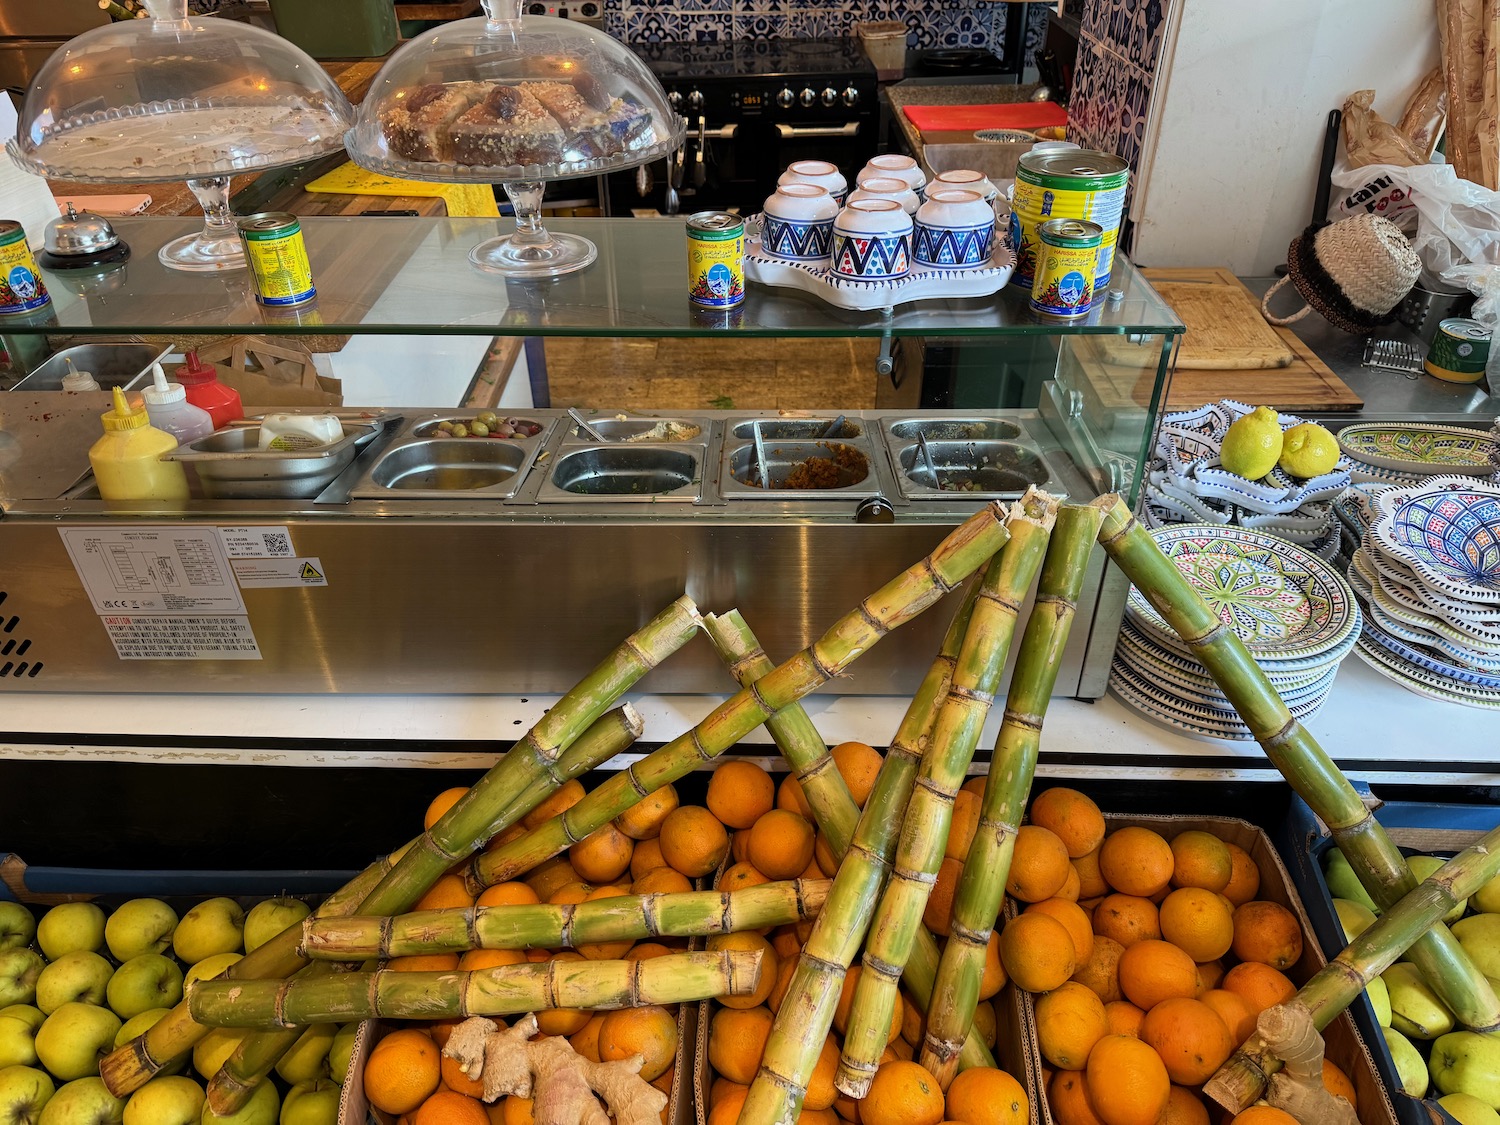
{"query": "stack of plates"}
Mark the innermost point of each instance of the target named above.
(1186, 484)
(1427, 572)
(1295, 613)
(1398, 453)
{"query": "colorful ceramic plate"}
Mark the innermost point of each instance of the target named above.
(1143, 706)
(1448, 532)
(1284, 602)
(1157, 654)
(1482, 619)
(1157, 664)
(1398, 619)
(1225, 723)
(1417, 680)
(1181, 687)
(1426, 658)
(1419, 450)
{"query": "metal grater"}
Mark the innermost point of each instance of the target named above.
(1393, 355)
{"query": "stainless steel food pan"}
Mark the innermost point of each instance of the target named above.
(740, 479)
(643, 429)
(444, 468)
(971, 469)
(231, 465)
(952, 429)
(126, 366)
(795, 429)
(643, 473)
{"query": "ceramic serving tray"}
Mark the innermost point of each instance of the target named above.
(1419, 450)
(1448, 531)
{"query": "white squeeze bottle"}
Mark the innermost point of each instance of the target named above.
(170, 411)
(127, 460)
(76, 380)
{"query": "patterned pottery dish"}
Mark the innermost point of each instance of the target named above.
(969, 180)
(1415, 678)
(897, 167)
(817, 172)
(955, 229)
(1421, 450)
(1448, 531)
(883, 187)
(797, 223)
(872, 241)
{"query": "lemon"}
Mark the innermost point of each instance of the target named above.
(1308, 450)
(1252, 444)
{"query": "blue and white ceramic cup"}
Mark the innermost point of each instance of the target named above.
(884, 187)
(797, 223)
(820, 172)
(894, 166)
(955, 229)
(872, 241)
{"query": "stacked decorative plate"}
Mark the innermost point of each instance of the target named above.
(1294, 611)
(1428, 574)
(1407, 452)
(1186, 484)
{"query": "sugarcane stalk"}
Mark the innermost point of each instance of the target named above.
(945, 762)
(252, 1060)
(919, 978)
(981, 887)
(832, 804)
(806, 1013)
(674, 978)
(965, 549)
(1242, 1080)
(545, 926)
(1292, 749)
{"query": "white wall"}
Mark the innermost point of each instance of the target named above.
(1239, 108)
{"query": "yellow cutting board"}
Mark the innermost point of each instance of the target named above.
(1225, 328)
(469, 201)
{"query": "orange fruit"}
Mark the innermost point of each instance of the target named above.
(1197, 922)
(858, 764)
(1038, 866)
(1337, 1083)
(846, 1001)
(1244, 878)
(646, 857)
(993, 979)
(1260, 986)
(1127, 918)
(740, 876)
(602, 856)
(1153, 971)
(902, 1093)
(912, 1019)
(1037, 952)
(1268, 933)
(789, 796)
(441, 804)
(586, 1041)
(403, 1069)
(817, 1117)
(1127, 1083)
(507, 894)
(770, 966)
(1070, 814)
(727, 1111)
(545, 879)
(448, 1107)
(642, 820)
(456, 1080)
(646, 951)
(1210, 973)
(1263, 1115)
(563, 1021)
(1183, 1108)
(965, 823)
(786, 941)
(721, 1088)
(693, 840)
(1233, 1009)
(500, 839)
(740, 793)
(781, 844)
(650, 1032)
(424, 963)
(570, 893)
(1071, 915)
(568, 794)
(448, 891)
(785, 967)
(605, 950)
(983, 1095)
(736, 1041)
(1071, 885)
(984, 1023)
(847, 1108)
(826, 863)
(1101, 974)
(976, 784)
(1067, 1097)
(1200, 859)
(937, 915)
(662, 881)
(1091, 882)
(490, 959)
(441, 1030)
(1121, 1017)
(1136, 861)
(820, 1092)
(1069, 1021)
(1190, 1038)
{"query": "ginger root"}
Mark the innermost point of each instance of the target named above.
(560, 1081)
(1297, 1088)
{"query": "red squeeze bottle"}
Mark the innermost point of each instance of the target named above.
(206, 392)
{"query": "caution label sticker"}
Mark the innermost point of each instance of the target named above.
(262, 574)
(181, 638)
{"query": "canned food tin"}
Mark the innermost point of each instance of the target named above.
(21, 286)
(277, 258)
(1073, 184)
(1067, 260)
(716, 259)
(1459, 351)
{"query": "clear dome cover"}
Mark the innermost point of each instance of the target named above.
(503, 97)
(174, 97)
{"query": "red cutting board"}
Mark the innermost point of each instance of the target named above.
(1005, 115)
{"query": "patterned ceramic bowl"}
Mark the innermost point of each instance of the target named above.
(1448, 531)
(955, 229)
(968, 180)
(887, 187)
(872, 241)
(902, 168)
(819, 172)
(797, 223)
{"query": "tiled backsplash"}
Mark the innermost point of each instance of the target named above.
(1118, 51)
(937, 23)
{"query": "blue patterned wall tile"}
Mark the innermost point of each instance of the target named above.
(706, 27)
(1094, 18)
(644, 25)
(704, 6)
(760, 25)
(1144, 40)
(961, 29)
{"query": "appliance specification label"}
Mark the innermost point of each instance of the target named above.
(257, 542)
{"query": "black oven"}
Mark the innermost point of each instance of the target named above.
(762, 104)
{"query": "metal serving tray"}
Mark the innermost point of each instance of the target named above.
(591, 474)
(634, 429)
(231, 465)
(999, 469)
(951, 429)
(126, 366)
(445, 467)
(783, 457)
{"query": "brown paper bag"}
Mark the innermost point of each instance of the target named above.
(271, 374)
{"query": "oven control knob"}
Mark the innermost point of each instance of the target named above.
(851, 95)
(807, 97)
(786, 99)
(674, 99)
(830, 96)
(695, 100)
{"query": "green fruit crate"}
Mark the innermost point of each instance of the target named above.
(1416, 828)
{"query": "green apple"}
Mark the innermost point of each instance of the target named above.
(1415, 1008)
(17, 926)
(1410, 1068)
(24, 1090)
(1380, 1000)
(208, 968)
(1486, 899)
(165, 1101)
(19, 969)
(1343, 882)
(1480, 937)
(261, 1109)
(142, 925)
(86, 1101)
(144, 982)
(1424, 867)
(1466, 1109)
(138, 1026)
(338, 1054)
(71, 927)
(81, 975)
(307, 1060)
(18, 1024)
(1354, 917)
(214, 926)
(1465, 1062)
(210, 1052)
(74, 1038)
(312, 1103)
(269, 918)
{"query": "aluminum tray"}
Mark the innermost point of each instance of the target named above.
(126, 366)
(445, 468)
(631, 430)
(784, 456)
(1001, 469)
(900, 430)
(231, 465)
(590, 474)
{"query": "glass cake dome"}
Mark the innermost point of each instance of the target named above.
(514, 100)
(176, 97)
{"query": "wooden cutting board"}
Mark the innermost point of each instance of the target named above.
(1225, 328)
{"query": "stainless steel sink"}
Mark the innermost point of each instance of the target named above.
(648, 473)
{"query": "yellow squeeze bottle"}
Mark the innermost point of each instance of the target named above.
(127, 460)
